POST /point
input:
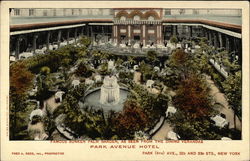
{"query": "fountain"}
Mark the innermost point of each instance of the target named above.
(110, 96)
(110, 91)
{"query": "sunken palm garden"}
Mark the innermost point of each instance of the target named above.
(135, 75)
(82, 92)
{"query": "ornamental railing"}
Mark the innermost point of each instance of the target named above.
(137, 22)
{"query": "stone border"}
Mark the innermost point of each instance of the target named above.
(157, 127)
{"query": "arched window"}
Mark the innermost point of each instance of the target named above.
(123, 18)
(151, 18)
(136, 18)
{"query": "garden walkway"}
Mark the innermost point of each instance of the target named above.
(220, 98)
(163, 132)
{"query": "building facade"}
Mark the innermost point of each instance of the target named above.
(145, 26)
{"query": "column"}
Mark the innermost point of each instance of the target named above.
(144, 35)
(227, 43)
(157, 34)
(48, 37)
(210, 37)
(67, 36)
(115, 34)
(206, 33)
(103, 35)
(75, 35)
(82, 28)
(59, 38)
(87, 30)
(175, 30)
(18, 46)
(129, 34)
(220, 39)
(35, 36)
(160, 32)
(215, 39)
(190, 31)
(91, 34)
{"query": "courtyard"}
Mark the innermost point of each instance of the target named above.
(183, 90)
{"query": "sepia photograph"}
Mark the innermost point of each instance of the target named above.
(149, 79)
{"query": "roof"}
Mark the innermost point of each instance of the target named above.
(23, 23)
(52, 24)
(228, 26)
(236, 20)
(46, 19)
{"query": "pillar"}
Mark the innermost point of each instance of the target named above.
(82, 28)
(75, 35)
(87, 30)
(91, 34)
(210, 37)
(220, 39)
(190, 31)
(206, 33)
(67, 36)
(215, 39)
(174, 30)
(35, 36)
(227, 43)
(129, 34)
(59, 37)
(103, 35)
(144, 35)
(48, 37)
(18, 46)
(115, 34)
(160, 32)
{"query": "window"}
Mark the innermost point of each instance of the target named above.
(16, 12)
(64, 12)
(151, 18)
(45, 13)
(89, 11)
(168, 12)
(123, 18)
(54, 12)
(182, 11)
(195, 11)
(106, 12)
(136, 18)
(31, 12)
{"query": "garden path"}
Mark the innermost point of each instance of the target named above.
(220, 98)
(163, 132)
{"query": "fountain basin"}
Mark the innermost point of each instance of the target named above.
(92, 99)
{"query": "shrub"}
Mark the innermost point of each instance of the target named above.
(45, 70)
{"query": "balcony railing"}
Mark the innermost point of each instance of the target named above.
(137, 22)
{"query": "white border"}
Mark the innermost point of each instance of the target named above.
(82, 151)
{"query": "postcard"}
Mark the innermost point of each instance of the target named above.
(124, 80)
